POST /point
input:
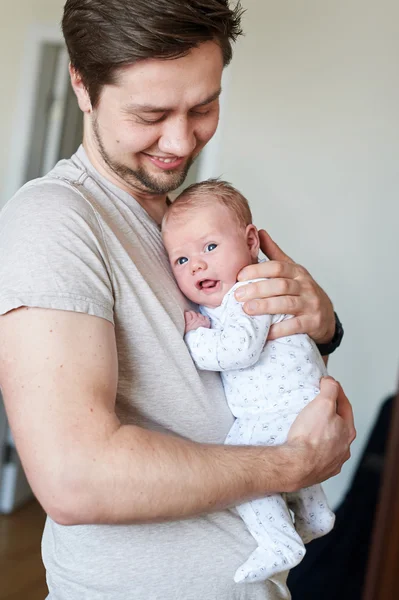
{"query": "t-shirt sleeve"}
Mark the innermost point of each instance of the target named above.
(53, 253)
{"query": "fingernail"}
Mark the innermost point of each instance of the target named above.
(240, 293)
(252, 306)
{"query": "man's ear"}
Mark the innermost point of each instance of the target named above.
(80, 90)
(252, 237)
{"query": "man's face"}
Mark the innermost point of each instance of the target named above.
(148, 128)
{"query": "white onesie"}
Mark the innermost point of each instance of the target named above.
(267, 384)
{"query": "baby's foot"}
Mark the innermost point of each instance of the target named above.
(264, 563)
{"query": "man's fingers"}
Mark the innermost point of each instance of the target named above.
(270, 248)
(288, 327)
(345, 458)
(329, 389)
(268, 289)
(271, 269)
(278, 305)
(345, 411)
(332, 389)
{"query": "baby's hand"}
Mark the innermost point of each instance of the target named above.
(194, 320)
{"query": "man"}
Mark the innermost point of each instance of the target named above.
(121, 438)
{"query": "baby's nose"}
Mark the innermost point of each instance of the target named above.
(198, 265)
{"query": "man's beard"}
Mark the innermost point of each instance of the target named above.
(139, 178)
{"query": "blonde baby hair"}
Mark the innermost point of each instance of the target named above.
(205, 193)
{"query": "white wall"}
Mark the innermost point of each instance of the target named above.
(311, 136)
(18, 19)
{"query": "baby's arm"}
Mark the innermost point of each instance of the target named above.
(236, 346)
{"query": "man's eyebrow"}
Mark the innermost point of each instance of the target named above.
(161, 109)
(210, 99)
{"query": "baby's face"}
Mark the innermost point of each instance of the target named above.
(207, 249)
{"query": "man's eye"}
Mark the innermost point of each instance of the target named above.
(182, 260)
(200, 113)
(151, 121)
(210, 247)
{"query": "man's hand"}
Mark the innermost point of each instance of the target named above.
(194, 320)
(322, 434)
(290, 290)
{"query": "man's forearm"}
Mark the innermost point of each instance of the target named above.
(144, 476)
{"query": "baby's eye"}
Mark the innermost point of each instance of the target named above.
(182, 260)
(211, 247)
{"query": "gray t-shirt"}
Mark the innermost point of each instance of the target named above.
(74, 241)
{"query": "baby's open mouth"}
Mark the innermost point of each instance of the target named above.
(207, 284)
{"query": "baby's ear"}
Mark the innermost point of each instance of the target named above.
(253, 243)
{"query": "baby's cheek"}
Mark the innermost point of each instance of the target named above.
(189, 290)
(181, 281)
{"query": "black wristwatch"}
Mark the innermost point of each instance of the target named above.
(329, 348)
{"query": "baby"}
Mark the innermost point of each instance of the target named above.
(209, 236)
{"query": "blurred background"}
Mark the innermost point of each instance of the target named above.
(309, 133)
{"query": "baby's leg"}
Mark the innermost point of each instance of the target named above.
(279, 546)
(268, 519)
(313, 517)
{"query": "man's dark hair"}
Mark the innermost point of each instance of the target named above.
(104, 35)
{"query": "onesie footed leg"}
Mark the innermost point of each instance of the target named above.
(279, 546)
(310, 529)
(266, 562)
(313, 517)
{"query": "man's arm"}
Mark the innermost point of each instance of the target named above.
(58, 374)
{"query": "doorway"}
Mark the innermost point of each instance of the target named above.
(52, 130)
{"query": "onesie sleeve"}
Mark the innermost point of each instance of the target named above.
(237, 345)
(52, 252)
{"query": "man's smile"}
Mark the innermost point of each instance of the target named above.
(166, 163)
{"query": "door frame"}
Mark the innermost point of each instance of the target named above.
(25, 104)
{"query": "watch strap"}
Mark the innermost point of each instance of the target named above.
(330, 347)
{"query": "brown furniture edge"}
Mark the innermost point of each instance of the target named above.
(381, 582)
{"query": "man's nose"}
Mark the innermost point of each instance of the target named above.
(177, 137)
(198, 265)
